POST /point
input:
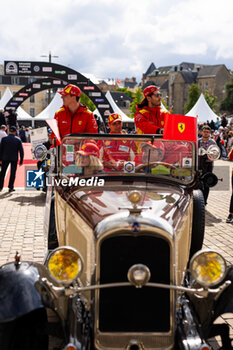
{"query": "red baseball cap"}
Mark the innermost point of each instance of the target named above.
(71, 90)
(149, 90)
(89, 149)
(114, 117)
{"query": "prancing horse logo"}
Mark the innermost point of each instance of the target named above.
(181, 127)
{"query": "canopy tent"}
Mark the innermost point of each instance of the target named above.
(5, 98)
(202, 111)
(49, 111)
(116, 109)
(21, 114)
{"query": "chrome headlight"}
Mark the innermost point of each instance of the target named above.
(65, 265)
(40, 152)
(208, 267)
(134, 197)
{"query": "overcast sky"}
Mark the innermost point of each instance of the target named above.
(117, 38)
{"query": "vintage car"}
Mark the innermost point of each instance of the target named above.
(124, 270)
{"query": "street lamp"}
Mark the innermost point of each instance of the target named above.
(50, 60)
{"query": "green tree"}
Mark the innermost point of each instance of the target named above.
(87, 102)
(211, 100)
(227, 104)
(126, 91)
(136, 99)
(193, 96)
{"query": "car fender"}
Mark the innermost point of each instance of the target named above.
(18, 293)
(224, 303)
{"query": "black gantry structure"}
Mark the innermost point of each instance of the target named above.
(51, 76)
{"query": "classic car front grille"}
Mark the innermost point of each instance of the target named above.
(130, 309)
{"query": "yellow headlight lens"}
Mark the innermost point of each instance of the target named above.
(65, 264)
(208, 267)
(135, 197)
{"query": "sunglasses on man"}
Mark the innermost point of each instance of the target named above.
(157, 94)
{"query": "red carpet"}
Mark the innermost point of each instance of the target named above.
(28, 163)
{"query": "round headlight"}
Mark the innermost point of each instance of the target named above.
(135, 197)
(208, 267)
(65, 264)
(40, 152)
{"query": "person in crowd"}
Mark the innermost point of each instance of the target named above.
(229, 141)
(2, 117)
(27, 134)
(149, 117)
(217, 124)
(224, 121)
(115, 153)
(3, 132)
(22, 134)
(12, 118)
(98, 122)
(230, 216)
(205, 164)
(212, 125)
(73, 117)
(88, 159)
(10, 148)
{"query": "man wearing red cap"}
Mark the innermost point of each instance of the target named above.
(73, 117)
(115, 153)
(149, 118)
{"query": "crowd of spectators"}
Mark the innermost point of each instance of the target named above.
(222, 133)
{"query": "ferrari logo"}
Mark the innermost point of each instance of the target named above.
(67, 90)
(181, 127)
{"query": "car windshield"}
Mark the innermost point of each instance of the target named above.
(109, 155)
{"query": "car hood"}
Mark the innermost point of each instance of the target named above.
(167, 202)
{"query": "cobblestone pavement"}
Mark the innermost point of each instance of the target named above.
(21, 226)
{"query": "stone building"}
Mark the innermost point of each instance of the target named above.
(175, 81)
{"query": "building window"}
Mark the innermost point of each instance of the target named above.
(206, 86)
(32, 112)
(32, 99)
(200, 85)
(14, 80)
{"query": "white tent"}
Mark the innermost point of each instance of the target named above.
(202, 111)
(116, 109)
(21, 114)
(49, 111)
(5, 98)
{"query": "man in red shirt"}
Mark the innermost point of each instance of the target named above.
(115, 153)
(149, 118)
(74, 117)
